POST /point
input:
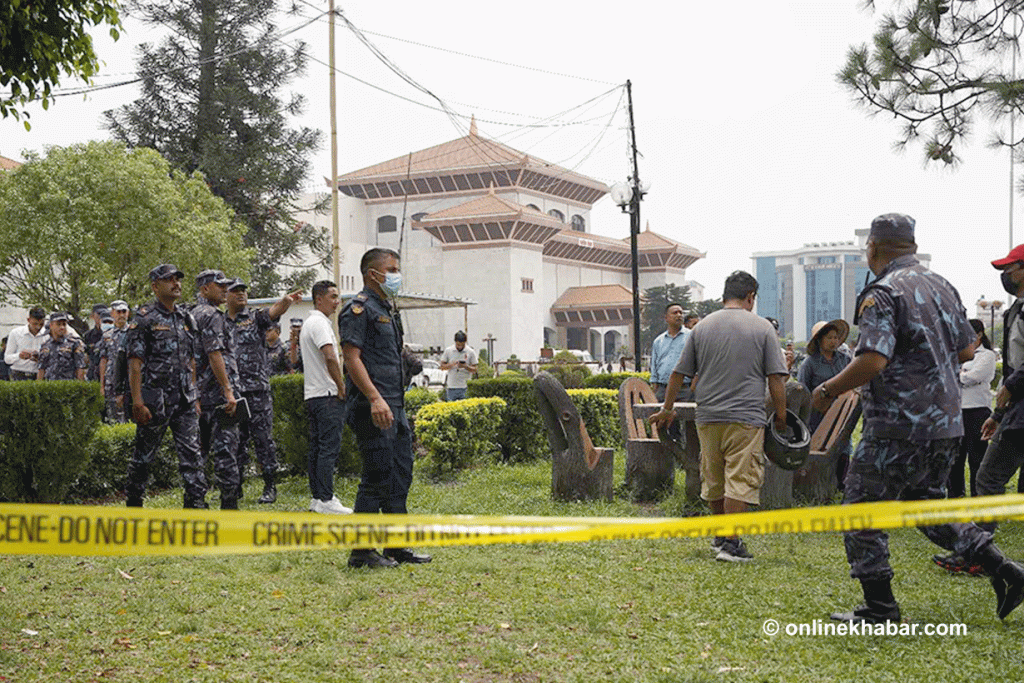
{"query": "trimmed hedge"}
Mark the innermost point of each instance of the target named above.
(521, 433)
(599, 410)
(459, 434)
(45, 431)
(291, 429)
(418, 397)
(570, 375)
(613, 380)
(107, 472)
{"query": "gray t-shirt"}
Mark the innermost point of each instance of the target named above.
(732, 351)
(458, 377)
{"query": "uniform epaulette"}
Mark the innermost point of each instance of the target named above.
(360, 297)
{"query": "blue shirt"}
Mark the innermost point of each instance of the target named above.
(665, 353)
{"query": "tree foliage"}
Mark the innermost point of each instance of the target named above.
(937, 65)
(707, 307)
(652, 320)
(86, 223)
(40, 39)
(210, 103)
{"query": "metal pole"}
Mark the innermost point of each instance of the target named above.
(335, 233)
(634, 230)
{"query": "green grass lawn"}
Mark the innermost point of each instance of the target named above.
(655, 611)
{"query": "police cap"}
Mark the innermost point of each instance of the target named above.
(164, 271)
(211, 275)
(237, 283)
(893, 226)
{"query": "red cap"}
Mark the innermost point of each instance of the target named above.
(1016, 254)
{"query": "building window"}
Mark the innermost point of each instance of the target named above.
(579, 224)
(534, 207)
(528, 284)
(387, 224)
(555, 213)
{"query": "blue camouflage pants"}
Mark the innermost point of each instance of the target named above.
(180, 415)
(260, 428)
(223, 441)
(898, 469)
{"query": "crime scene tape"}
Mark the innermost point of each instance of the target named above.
(30, 529)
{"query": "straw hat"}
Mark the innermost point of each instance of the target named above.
(821, 328)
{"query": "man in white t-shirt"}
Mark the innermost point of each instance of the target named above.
(460, 362)
(324, 396)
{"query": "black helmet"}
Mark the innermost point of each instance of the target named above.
(788, 451)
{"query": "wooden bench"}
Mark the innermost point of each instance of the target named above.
(816, 481)
(579, 470)
(650, 461)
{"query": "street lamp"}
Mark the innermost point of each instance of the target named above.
(627, 196)
(992, 307)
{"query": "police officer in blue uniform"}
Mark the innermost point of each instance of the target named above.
(160, 347)
(913, 336)
(217, 376)
(250, 327)
(370, 332)
(62, 356)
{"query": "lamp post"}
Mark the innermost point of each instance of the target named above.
(992, 307)
(628, 196)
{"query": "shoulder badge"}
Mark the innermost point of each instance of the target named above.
(357, 309)
(868, 302)
(360, 297)
(383, 319)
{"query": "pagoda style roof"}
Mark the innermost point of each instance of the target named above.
(593, 306)
(493, 218)
(468, 165)
(8, 164)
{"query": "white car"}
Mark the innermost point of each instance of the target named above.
(432, 374)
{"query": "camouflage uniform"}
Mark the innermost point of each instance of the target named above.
(214, 334)
(61, 359)
(912, 422)
(370, 323)
(165, 340)
(277, 356)
(250, 329)
(108, 348)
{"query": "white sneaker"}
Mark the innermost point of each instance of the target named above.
(329, 507)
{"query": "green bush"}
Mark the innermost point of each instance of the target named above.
(521, 434)
(613, 380)
(291, 429)
(45, 430)
(571, 375)
(512, 373)
(514, 363)
(599, 410)
(998, 379)
(107, 472)
(418, 397)
(459, 434)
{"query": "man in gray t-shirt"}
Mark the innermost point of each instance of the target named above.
(730, 355)
(460, 362)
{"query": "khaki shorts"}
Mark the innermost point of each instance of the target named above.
(731, 461)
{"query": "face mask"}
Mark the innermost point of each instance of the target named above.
(106, 326)
(392, 283)
(1009, 285)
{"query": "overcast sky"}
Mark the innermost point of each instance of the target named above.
(747, 139)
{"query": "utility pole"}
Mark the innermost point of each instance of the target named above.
(335, 235)
(634, 230)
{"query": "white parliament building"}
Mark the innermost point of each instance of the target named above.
(509, 233)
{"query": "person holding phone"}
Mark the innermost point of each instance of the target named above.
(460, 362)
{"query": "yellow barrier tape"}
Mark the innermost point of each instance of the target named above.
(104, 531)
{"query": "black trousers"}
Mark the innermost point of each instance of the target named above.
(972, 450)
(387, 462)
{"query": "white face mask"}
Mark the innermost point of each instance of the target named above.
(392, 283)
(106, 326)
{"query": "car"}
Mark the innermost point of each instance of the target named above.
(432, 374)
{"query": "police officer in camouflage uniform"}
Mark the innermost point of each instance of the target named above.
(217, 376)
(92, 339)
(370, 332)
(62, 356)
(160, 346)
(913, 336)
(250, 326)
(109, 347)
(277, 354)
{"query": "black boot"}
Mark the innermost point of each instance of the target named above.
(1007, 578)
(879, 605)
(138, 476)
(269, 494)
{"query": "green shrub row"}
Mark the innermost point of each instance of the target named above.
(599, 410)
(521, 432)
(291, 430)
(45, 432)
(459, 434)
(107, 472)
(613, 380)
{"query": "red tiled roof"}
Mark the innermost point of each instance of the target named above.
(8, 164)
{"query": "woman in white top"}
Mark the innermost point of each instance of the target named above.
(976, 402)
